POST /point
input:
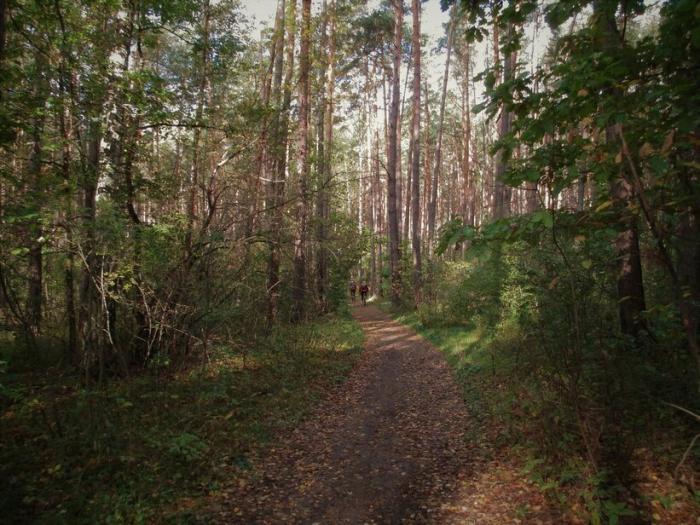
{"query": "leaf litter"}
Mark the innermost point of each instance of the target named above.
(389, 445)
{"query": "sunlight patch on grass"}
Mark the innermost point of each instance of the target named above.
(463, 346)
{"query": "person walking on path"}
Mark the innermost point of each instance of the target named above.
(353, 290)
(364, 291)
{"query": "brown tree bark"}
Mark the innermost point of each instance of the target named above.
(468, 212)
(325, 139)
(427, 162)
(282, 94)
(432, 207)
(66, 89)
(392, 161)
(299, 287)
(415, 160)
(35, 260)
(199, 113)
(381, 223)
(630, 287)
(406, 230)
(502, 192)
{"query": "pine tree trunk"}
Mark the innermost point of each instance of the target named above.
(325, 136)
(392, 161)
(35, 232)
(415, 160)
(469, 189)
(199, 113)
(502, 192)
(299, 291)
(427, 162)
(282, 96)
(432, 207)
(630, 287)
(380, 217)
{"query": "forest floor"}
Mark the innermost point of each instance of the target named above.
(151, 448)
(389, 445)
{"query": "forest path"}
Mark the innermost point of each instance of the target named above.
(387, 446)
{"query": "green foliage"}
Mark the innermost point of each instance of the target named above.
(149, 444)
(346, 248)
(540, 337)
(188, 447)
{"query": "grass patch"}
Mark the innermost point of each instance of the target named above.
(509, 419)
(144, 450)
(466, 349)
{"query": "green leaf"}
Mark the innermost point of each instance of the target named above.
(543, 217)
(658, 164)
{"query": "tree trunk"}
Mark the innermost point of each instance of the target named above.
(467, 172)
(415, 160)
(35, 262)
(325, 137)
(405, 231)
(630, 287)
(3, 32)
(299, 293)
(66, 130)
(427, 162)
(89, 339)
(381, 227)
(432, 207)
(392, 161)
(502, 191)
(279, 153)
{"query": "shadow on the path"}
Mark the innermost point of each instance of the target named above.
(388, 446)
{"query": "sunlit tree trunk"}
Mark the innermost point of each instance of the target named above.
(427, 162)
(392, 161)
(467, 169)
(502, 193)
(381, 223)
(415, 161)
(325, 138)
(432, 207)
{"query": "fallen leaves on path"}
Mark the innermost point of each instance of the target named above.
(387, 446)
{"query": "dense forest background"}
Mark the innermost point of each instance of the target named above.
(176, 189)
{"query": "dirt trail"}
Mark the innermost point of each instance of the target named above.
(387, 446)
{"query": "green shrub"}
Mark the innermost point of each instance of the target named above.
(142, 445)
(550, 360)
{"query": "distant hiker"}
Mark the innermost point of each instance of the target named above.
(364, 290)
(353, 290)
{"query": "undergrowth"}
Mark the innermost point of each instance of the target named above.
(533, 345)
(143, 450)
